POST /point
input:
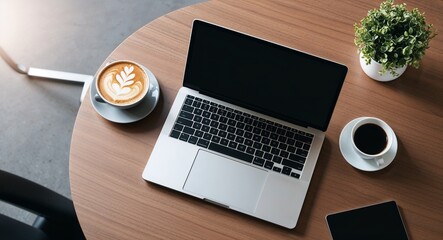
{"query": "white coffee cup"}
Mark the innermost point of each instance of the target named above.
(372, 138)
(122, 84)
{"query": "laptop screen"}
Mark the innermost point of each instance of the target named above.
(262, 76)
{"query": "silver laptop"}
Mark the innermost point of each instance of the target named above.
(246, 128)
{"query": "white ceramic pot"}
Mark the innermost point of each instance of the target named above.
(372, 70)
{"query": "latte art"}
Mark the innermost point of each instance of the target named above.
(122, 83)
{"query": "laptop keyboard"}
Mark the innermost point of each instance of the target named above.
(243, 136)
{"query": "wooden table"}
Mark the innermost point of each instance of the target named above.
(107, 159)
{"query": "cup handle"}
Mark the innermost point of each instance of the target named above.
(379, 161)
(99, 99)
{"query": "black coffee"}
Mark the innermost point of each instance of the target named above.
(370, 138)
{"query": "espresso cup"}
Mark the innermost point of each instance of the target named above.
(122, 84)
(372, 138)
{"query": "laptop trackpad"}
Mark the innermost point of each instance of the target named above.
(225, 181)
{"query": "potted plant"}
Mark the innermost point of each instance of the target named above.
(391, 38)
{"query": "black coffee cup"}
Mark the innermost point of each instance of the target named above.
(372, 138)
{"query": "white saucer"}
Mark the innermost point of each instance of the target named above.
(352, 157)
(130, 115)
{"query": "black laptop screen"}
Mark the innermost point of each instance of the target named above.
(263, 76)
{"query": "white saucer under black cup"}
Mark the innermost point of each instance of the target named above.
(133, 114)
(353, 158)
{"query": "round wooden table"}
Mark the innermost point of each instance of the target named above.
(107, 159)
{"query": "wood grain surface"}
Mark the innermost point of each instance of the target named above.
(107, 159)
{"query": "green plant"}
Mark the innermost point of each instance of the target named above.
(393, 36)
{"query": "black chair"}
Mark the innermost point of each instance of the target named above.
(56, 218)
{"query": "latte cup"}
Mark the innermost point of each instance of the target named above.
(122, 84)
(372, 138)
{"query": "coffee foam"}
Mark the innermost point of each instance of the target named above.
(122, 83)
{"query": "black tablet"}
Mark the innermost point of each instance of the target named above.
(379, 221)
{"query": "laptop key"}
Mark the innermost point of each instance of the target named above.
(296, 175)
(265, 140)
(274, 143)
(193, 140)
(274, 136)
(198, 119)
(205, 128)
(276, 169)
(223, 126)
(241, 147)
(304, 139)
(299, 144)
(178, 127)
(175, 134)
(196, 104)
(224, 141)
(239, 139)
(231, 152)
(206, 121)
(203, 143)
(231, 129)
(275, 151)
(269, 164)
(231, 136)
(268, 156)
(302, 152)
(259, 153)
(204, 105)
(265, 133)
(250, 150)
(198, 134)
(213, 109)
(290, 141)
(184, 121)
(188, 101)
(223, 120)
(188, 108)
(258, 161)
(277, 159)
(198, 112)
(214, 124)
(184, 137)
(216, 139)
(232, 144)
(213, 131)
(189, 130)
(256, 138)
(297, 158)
(215, 117)
(286, 170)
(289, 134)
(284, 154)
(222, 134)
(197, 125)
(207, 136)
(282, 146)
(292, 164)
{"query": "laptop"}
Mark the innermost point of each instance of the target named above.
(246, 129)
